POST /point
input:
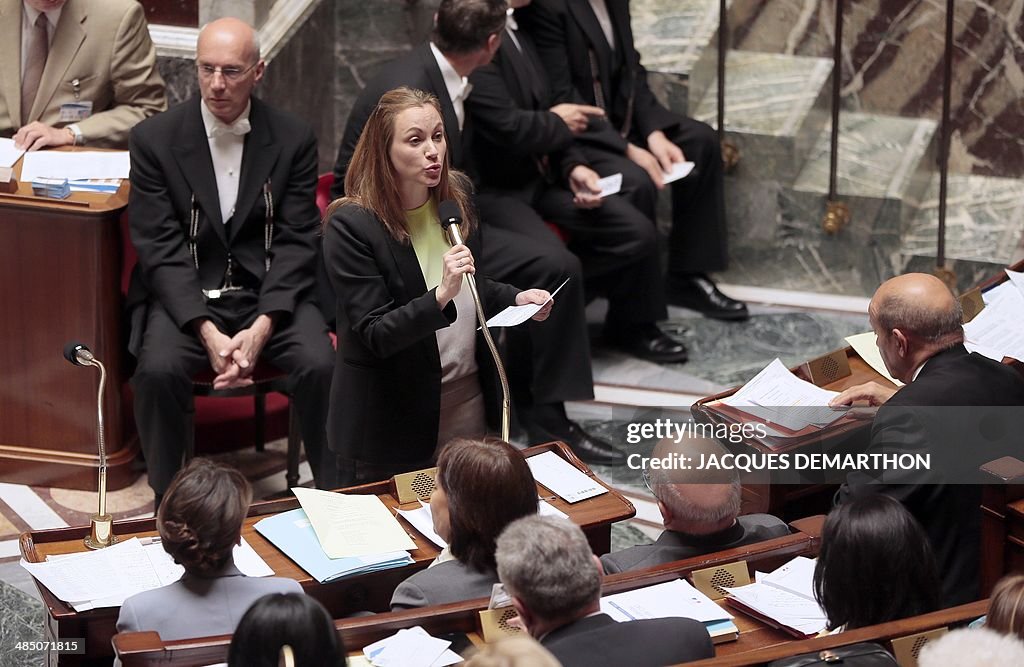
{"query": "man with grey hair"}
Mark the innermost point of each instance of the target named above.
(554, 580)
(917, 322)
(700, 510)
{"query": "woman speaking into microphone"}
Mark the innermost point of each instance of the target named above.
(407, 377)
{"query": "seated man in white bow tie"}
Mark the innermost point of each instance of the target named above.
(224, 220)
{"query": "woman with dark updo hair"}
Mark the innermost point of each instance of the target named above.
(200, 522)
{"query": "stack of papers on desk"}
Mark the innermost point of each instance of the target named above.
(76, 165)
(778, 397)
(412, 647)
(292, 533)
(104, 578)
(996, 331)
(673, 599)
(784, 598)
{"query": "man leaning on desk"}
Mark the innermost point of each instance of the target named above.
(75, 72)
(918, 325)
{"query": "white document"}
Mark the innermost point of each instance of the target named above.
(996, 331)
(411, 647)
(352, 525)
(679, 170)
(787, 596)
(423, 521)
(75, 166)
(515, 315)
(775, 386)
(866, 347)
(563, 478)
(8, 153)
(610, 185)
(112, 574)
(672, 599)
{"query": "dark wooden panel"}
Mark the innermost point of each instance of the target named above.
(172, 12)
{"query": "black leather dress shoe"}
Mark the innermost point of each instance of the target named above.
(589, 448)
(647, 342)
(698, 292)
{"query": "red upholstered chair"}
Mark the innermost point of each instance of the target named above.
(323, 191)
(222, 417)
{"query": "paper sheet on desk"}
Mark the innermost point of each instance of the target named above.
(101, 578)
(352, 525)
(411, 647)
(786, 595)
(996, 331)
(563, 478)
(75, 166)
(679, 170)
(515, 315)
(422, 519)
(782, 398)
(672, 599)
(866, 347)
(8, 153)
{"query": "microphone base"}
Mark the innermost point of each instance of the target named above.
(101, 534)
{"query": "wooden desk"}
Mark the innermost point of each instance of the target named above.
(370, 592)
(146, 649)
(60, 267)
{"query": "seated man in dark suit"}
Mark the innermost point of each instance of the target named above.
(588, 53)
(525, 147)
(554, 580)
(939, 411)
(224, 219)
(517, 246)
(700, 509)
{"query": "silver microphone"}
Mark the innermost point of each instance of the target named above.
(451, 217)
(102, 524)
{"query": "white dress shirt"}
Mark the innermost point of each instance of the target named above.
(458, 87)
(226, 145)
(601, 12)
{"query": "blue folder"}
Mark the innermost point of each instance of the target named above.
(292, 533)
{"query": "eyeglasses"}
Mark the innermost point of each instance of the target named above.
(229, 73)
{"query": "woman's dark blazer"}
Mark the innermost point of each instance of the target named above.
(385, 397)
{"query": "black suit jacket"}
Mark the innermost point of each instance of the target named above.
(417, 69)
(943, 413)
(385, 396)
(170, 163)
(570, 42)
(598, 641)
(513, 129)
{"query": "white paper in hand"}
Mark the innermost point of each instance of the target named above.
(515, 315)
(610, 185)
(679, 170)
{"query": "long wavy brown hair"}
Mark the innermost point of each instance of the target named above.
(370, 181)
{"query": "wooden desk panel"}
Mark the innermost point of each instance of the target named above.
(145, 649)
(370, 592)
(60, 265)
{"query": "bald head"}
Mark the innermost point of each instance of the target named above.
(914, 317)
(231, 32)
(229, 64)
(695, 501)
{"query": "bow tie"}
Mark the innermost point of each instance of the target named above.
(239, 128)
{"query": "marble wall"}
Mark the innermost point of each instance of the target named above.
(892, 63)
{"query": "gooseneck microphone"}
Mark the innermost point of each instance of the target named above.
(102, 533)
(451, 218)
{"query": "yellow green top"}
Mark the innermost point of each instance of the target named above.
(428, 241)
